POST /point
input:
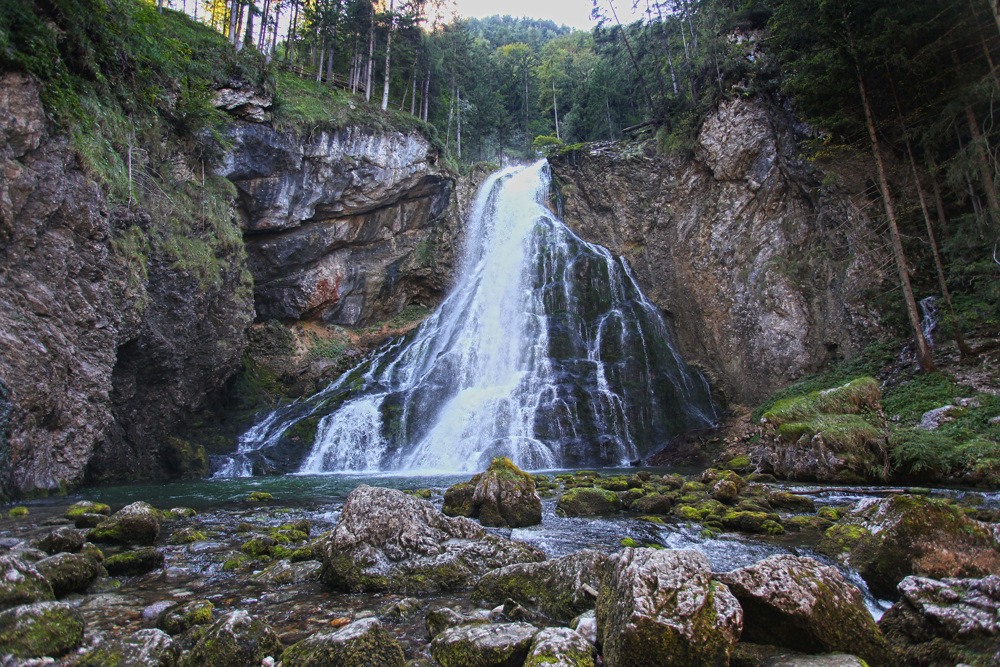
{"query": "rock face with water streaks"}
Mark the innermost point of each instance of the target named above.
(760, 269)
(389, 541)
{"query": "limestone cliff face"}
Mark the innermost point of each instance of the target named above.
(761, 271)
(342, 226)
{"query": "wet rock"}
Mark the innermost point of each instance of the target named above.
(503, 496)
(791, 502)
(491, 645)
(61, 540)
(187, 536)
(756, 655)
(800, 604)
(21, 583)
(360, 644)
(235, 640)
(69, 573)
(560, 647)
(386, 540)
(137, 561)
(724, 491)
(439, 620)
(137, 523)
(40, 629)
(151, 612)
(145, 648)
(86, 507)
(586, 625)
(179, 618)
(889, 539)
(561, 588)
(654, 503)
(950, 619)
(584, 501)
(400, 609)
(662, 607)
(285, 572)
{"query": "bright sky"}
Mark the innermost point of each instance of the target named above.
(574, 13)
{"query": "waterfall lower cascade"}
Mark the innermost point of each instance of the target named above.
(545, 352)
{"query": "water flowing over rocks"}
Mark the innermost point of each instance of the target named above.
(661, 607)
(798, 603)
(389, 541)
(761, 271)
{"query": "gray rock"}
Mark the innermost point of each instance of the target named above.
(800, 604)
(503, 496)
(953, 609)
(235, 640)
(399, 609)
(285, 572)
(758, 655)
(359, 644)
(21, 583)
(62, 540)
(561, 588)
(586, 625)
(179, 618)
(932, 419)
(69, 573)
(145, 648)
(661, 607)
(439, 620)
(137, 523)
(560, 647)
(41, 629)
(386, 540)
(152, 611)
(491, 645)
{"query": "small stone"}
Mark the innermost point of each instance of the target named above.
(586, 625)
(152, 611)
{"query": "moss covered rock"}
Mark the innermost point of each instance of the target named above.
(187, 536)
(889, 539)
(588, 501)
(21, 583)
(235, 640)
(359, 644)
(791, 502)
(41, 629)
(259, 497)
(180, 618)
(561, 588)
(654, 503)
(134, 562)
(286, 572)
(503, 496)
(560, 647)
(800, 604)
(490, 645)
(69, 573)
(145, 648)
(438, 620)
(62, 539)
(138, 523)
(388, 541)
(661, 607)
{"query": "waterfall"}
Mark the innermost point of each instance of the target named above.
(545, 351)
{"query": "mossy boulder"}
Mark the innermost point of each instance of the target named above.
(180, 618)
(502, 496)
(134, 562)
(661, 607)
(285, 572)
(588, 501)
(438, 620)
(560, 647)
(490, 645)
(725, 491)
(69, 573)
(654, 503)
(21, 583)
(359, 644)
(235, 640)
(561, 588)
(42, 629)
(791, 502)
(261, 546)
(182, 458)
(258, 497)
(889, 539)
(800, 604)
(187, 536)
(17, 512)
(388, 541)
(145, 648)
(62, 539)
(762, 523)
(138, 523)
(85, 507)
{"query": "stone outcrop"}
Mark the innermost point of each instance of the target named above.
(343, 226)
(759, 269)
(661, 607)
(503, 496)
(389, 541)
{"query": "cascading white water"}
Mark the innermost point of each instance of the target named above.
(545, 351)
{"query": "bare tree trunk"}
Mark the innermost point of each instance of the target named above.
(248, 37)
(388, 54)
(413, 93)
(290, 40)
(555, 108)
(274, 35)
(673, 77)
(412, 83)
(322, 55)
(239, 27)
(233, 13)
(159, 6)
(458, 134)
(451, 112)
(371, 58)
(924, 358)
(427, 90)
(329, 63)
(263, 25)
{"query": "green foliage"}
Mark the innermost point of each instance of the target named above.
(921, 392)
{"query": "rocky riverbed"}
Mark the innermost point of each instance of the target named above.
(623, 569)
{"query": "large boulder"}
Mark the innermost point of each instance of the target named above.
(61, 539)
(503, 496)
(358, 644)
(179, 618)
(661, 607)
(389, 541)
(491, 645)
(137, 523)
(560, 647)
(889, 539)
(145, 648)
(69, 573)
(561, 588)
(798, 603)
(134, 562)
(235, 640)
(587, 501)
(953, 620)
(41, 629)
(438, 620)
(21, 583)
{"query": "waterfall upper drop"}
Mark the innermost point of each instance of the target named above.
(545, 351)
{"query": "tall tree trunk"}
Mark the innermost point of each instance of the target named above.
(979, 149)
(322, 55)
(248, 37)
(371, 58)
(631, 55)
(274, 35)
(673, 76)
(290, 40)
(426, 96)
(239, 26)
(458, 111)
(451, 112)
(263, 25)
(413, 92)
(412, 83)
(388, 54)
(233, 13)
(924, 358)
(329, 63)
(555, 108)
(159, 7)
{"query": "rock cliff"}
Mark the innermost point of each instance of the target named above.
(761, 271)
